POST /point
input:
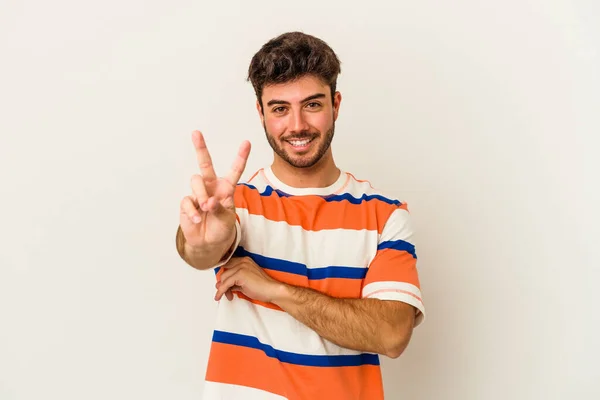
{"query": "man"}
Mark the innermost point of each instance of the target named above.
(316, 270)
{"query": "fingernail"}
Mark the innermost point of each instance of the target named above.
(196, 219)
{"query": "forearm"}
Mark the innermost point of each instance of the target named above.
(368, 325)
(206, 257)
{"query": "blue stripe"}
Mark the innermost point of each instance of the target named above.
(364, 198)
(400, 245)
(346, 196)
(268, 190)
(295, 358)
(337, 272)
(276, 264)
(291, 267)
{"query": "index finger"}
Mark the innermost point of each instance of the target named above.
(204, 161)
(239, 164)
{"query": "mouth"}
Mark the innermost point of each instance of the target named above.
(300, 144)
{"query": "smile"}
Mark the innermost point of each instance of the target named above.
(299, 143)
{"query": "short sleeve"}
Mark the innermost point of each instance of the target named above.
(392, 274)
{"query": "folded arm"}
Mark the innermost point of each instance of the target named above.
(369, 325)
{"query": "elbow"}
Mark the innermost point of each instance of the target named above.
(397, 331)
(396, 345)
(396, 338)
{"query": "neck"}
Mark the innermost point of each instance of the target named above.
(324, 173)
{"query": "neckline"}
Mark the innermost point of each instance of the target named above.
(332, 189)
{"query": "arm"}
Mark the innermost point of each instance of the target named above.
(381, 321)
(376, 325)
(370, 325)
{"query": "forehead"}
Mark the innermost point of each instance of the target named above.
(296, 90)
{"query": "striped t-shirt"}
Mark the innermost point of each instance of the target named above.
(346, 240)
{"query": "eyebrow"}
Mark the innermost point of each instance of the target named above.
(311, 97)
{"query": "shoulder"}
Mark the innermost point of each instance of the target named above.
(364, 189)
(391, 211)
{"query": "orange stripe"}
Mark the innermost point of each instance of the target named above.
(335, 287)
(393, 265)
(314, 212)
(245, 366)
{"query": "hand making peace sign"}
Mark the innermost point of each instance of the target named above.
(207, 216)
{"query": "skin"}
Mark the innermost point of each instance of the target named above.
(207, 216)
(303, 108)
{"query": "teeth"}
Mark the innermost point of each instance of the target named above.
(299, 142)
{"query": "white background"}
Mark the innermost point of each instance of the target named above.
(482, 115)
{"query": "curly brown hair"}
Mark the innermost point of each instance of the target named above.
(290, 56)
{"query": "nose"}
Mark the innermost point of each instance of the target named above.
(298, 122)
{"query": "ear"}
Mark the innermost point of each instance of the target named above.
(260, 112)
(337, 100)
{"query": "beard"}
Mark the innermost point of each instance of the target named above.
(302, 161)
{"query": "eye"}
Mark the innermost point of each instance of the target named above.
(313, 105)
(278, 110)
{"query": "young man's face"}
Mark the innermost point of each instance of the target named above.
(299, 119)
